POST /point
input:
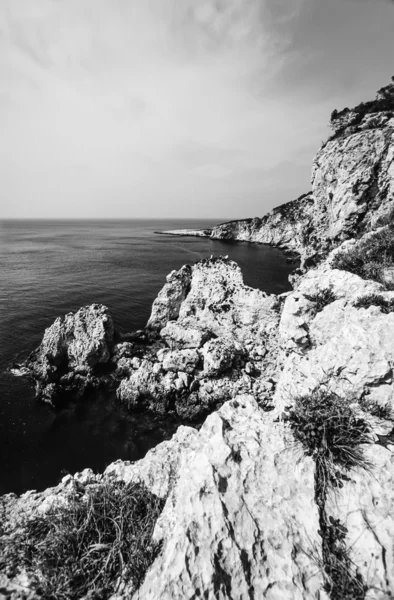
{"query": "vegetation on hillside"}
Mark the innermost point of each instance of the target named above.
(371, 258)
(333, 435)
(385, 306)
(384, 102)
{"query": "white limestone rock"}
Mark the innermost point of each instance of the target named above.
(365, 506)
(167, 304)
(218, 307)
(178, 336)
(181, 360)
(297, 313)
(347, 175)
(74, 344)
(349, 348)
(240, 518)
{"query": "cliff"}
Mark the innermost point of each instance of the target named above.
(286, 491)
(352, 187)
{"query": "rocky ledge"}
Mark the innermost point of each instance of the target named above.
(286, 491)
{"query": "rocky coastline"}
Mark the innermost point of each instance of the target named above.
(286, 491)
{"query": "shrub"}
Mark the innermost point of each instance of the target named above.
(322, 299)
(386, 306)
(370, 257)
(89, 545)
(384, 102)
(331, 433)
(329, 430)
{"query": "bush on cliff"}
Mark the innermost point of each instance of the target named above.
(332, 434)
(384, 102)
(89, 546)
(370, 258)
(329, 430)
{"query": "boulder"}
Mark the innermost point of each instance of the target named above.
(181, 360)
(178, 336)
(122, 350)
(76, 343)
(218, 356)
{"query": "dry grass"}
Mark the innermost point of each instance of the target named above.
(386, 306)
(88, 547)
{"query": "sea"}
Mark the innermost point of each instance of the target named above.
(49, 268)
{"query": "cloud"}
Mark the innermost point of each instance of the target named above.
(161, 107)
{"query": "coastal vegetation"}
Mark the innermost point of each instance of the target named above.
(386, 306)
(371, 258)
(347, 117)
(87, 547)
(322, 299)
(332, 434)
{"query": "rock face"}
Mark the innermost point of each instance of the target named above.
(256, 506)
(71, 351)
(209, 340)
(285, 226)
(234, 514)
(343, 345)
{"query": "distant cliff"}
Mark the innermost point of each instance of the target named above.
(352, 187)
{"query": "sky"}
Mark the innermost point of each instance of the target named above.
(176, 108)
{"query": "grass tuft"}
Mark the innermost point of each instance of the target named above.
(88, 547)
(386, 306)
(331, 433)
(322, 299)
(328, 429)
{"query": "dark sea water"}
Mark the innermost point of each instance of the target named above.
(48, 268)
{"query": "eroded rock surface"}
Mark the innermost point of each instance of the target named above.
(71, 351)
(239, 519)
(347, 347)
(210, 339)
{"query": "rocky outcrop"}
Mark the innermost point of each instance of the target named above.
(344, 346)
(71, 353)
(167, 305)
(210, 338)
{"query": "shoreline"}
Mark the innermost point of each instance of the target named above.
(185, 232)
(292, 254)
